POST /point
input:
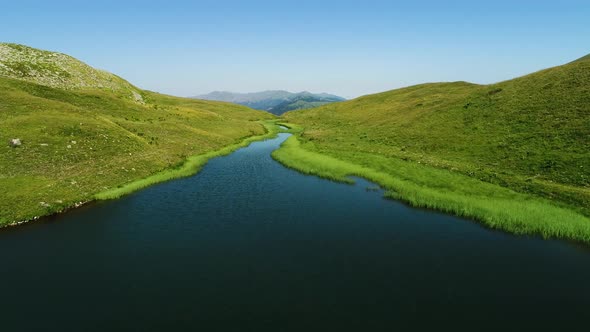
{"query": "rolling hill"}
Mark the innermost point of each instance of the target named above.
(276, 102)
(58, 70)
(82, 131)
(530, 135)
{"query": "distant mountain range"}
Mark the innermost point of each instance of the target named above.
(276, 102)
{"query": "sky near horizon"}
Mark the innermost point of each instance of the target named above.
(349, 48)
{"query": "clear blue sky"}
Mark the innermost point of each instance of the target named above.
(344, 47)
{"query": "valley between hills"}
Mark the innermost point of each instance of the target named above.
(513, 155)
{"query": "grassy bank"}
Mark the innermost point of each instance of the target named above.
(191, 166)
(424, 186)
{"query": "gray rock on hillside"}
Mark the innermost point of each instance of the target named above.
(15, 142)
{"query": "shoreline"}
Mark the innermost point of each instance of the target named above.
(191, 166)
(493, 206)
(55, 213)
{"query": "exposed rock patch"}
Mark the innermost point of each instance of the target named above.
(15, 142)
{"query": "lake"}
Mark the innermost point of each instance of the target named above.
(249, 245)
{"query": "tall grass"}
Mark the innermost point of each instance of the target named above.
(422, 186)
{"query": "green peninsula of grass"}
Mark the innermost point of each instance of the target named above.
(514, 155)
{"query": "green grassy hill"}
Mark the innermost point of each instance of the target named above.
(530, 134)
(85, 131)
(59, 71)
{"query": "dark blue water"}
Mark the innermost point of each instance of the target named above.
(248, 245)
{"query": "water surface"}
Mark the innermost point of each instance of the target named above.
(248, 245)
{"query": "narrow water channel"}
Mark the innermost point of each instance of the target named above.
(248, 245)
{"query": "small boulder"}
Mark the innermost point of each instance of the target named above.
(15, 142)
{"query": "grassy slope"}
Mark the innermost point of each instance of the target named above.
(79, 142)
(530, 135)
